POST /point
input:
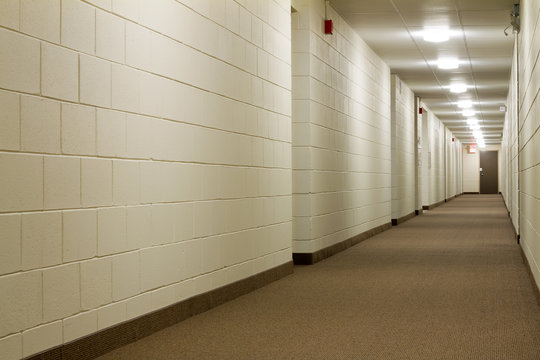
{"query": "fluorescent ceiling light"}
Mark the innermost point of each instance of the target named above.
(478, 135)
(474, 127)
(448, 63)
(464, 104)
(472, 121)
(458, 88)
(467, 113)
(436, 35)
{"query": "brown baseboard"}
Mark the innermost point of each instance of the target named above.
(450, 198)
(433, 206)
(102, 342)
(419, 212)
(315, 257)
(471, 193)
(402, 219)
(536, 290)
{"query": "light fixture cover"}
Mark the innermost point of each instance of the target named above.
(458, 88)
(467, 113)
(464, 104)
(448, 63)
(436, 35)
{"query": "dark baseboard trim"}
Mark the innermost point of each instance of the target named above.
(419, 212)
(536, 290)
(315, 257)
(516, 235)
(433, 206)
(402, 219)
(102, 342)
(450, 198)
(471, 193)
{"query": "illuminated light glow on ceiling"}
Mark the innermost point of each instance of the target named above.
(458, 88)
(464, 104)
(472, 121)
(436, 35)
(447, 63)
(478, 135)
(468, 113)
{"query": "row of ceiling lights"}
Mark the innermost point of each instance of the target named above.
(438, 35)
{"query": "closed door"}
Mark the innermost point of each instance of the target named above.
(489, 172)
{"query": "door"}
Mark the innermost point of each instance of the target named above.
(489, 172)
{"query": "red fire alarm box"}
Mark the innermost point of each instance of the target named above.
(420, 110)
(328, 27)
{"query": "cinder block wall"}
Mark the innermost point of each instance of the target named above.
(433, 159)
(403, 149)
(509, 148)
(145, 157)
(454, 156)
(341, 132)
(527, 148)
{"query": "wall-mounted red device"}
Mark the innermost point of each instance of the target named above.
(328, 27)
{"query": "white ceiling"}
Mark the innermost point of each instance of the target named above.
(393, 29)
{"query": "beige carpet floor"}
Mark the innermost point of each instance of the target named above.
(449, 284)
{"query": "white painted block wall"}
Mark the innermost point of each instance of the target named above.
(509, 149)
(454, 154)
(145, 153)
(403, 149)
(341, 132)
(434, 152)
(528, 145)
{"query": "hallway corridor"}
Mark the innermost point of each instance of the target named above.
(449, 284)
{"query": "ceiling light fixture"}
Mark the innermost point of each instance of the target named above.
(464, 104)
(448, 63)
(472, 121)
(458, 88)
(468, 113)
(436, 35)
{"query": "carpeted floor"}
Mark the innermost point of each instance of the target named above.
(449, 284)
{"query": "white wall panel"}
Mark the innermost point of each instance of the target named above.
(341, 132)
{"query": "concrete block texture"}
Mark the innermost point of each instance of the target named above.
(10, 137)
(340, 135)
(143, 144)
(21, 65)
(41, 19)
(59, 73)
